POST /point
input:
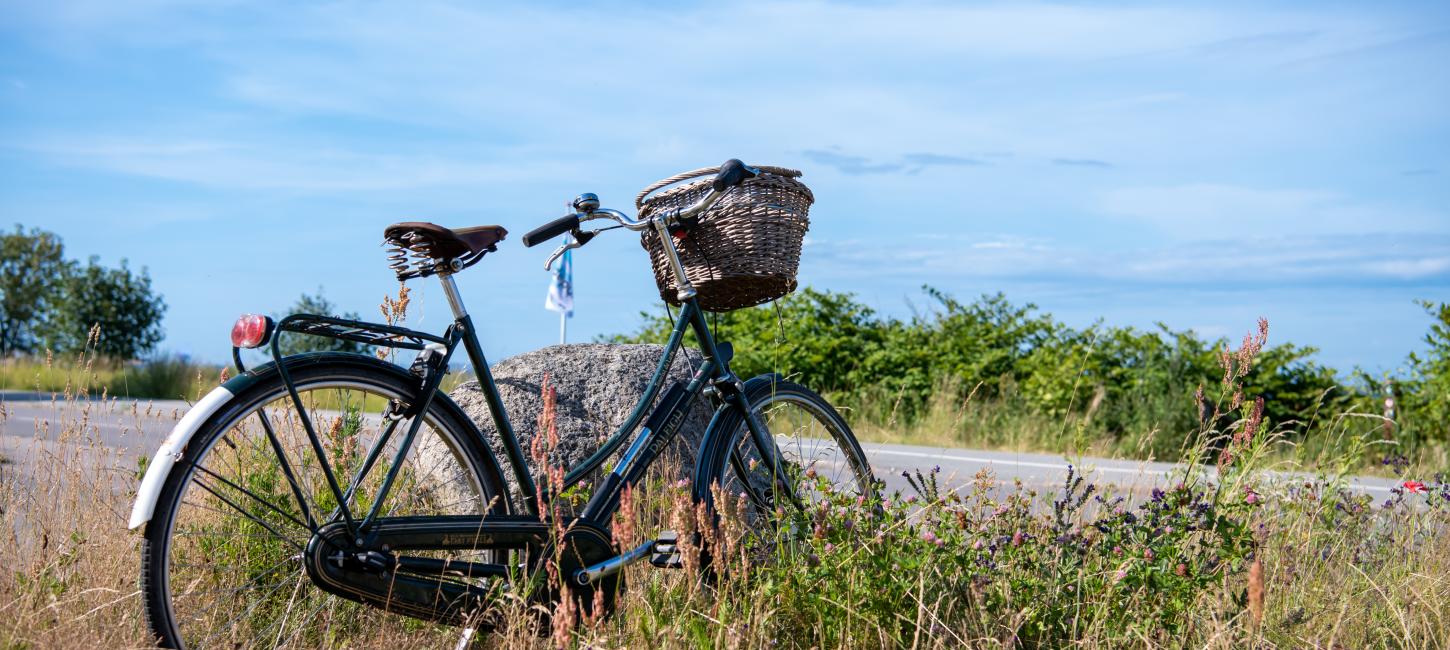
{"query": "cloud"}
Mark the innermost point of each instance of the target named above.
(911, 163)
(248, 165)
(853, 165)
(927, 159)
(1250, 264)
(1197, 211)
(1082, 162)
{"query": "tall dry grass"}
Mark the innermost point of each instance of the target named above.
(1232, 562)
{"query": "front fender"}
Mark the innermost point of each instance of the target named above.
(170, 452)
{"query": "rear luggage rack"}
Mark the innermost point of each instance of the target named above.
(358, 332)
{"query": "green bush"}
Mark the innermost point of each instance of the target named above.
(1146, 392)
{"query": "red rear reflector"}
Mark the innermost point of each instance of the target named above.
(251, 331)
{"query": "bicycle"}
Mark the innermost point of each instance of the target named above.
(303, 495)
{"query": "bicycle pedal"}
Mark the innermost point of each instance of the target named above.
(666, 554)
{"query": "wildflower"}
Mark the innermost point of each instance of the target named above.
(1117, 550)
(1251, 497)
(830, 547)
(1181, 570)
(1147, 553)
(849, 524)
(1121, 573)
(929, 536)
(911, 499)
(811, 473)
(1017, 538)
(977, 545)
(1415, 487)
(813, 560)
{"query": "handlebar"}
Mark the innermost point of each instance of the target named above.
(551, 230)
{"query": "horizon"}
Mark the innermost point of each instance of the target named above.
(1201, 166)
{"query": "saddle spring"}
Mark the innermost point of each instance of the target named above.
(410, 245)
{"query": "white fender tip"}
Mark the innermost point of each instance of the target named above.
(170, 451)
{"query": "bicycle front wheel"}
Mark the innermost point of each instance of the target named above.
(815, 454)
(222, 558)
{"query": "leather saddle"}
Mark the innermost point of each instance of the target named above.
(426, 242)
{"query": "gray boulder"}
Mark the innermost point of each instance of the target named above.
(596, 386)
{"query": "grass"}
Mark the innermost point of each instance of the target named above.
(1226, 563)
(159, 378)
(1360, 442)
(86, 376)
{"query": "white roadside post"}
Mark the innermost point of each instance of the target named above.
(561, 292)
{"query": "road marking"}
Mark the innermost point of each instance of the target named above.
(1019, 463)
(1060, 466)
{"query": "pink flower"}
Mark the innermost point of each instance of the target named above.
(1415, 487)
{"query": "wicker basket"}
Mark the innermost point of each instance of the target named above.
(744, 250)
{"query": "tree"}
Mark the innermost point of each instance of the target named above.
(1424, 396)
(293, 343)
(32, 269)
(118, 305)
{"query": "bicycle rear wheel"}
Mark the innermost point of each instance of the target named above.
(817, 456)
(222, 558)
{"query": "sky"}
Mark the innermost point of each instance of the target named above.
(1199, 165)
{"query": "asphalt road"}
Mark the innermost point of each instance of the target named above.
(119, 431)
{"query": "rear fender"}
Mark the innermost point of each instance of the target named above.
(171, 451)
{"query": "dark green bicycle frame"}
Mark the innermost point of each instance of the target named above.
(660, 429)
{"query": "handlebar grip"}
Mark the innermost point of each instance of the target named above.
(732, 173)
(551, 230)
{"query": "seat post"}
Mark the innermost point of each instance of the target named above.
(450, 289)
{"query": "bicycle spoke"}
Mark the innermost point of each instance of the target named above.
(249, 493)
(226, 627)
(248, 515)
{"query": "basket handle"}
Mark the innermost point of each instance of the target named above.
(703, 171)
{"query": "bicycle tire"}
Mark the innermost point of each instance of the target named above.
(719, 470)
(477, 467)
